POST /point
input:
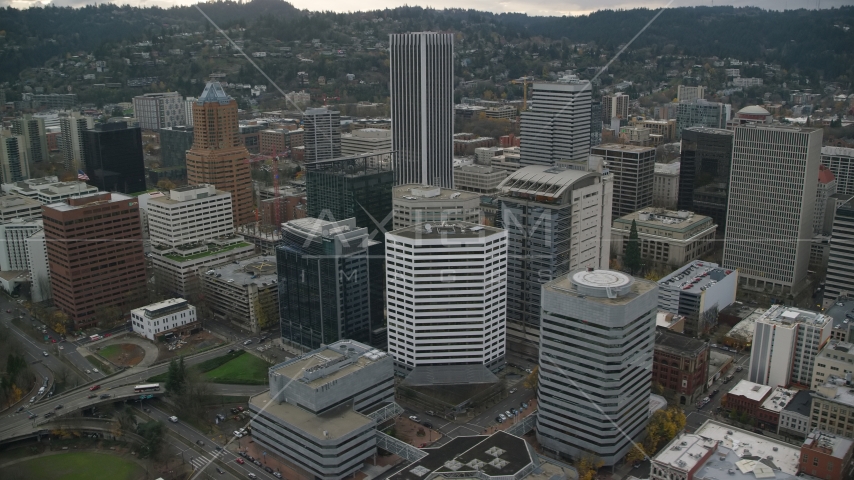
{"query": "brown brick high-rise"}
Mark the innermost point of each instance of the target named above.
(95, 254)
(218, 157)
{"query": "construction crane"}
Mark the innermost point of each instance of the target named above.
(524, 82)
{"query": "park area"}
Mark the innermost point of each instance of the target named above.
(74, 466)
(237, 367)
(123, 354)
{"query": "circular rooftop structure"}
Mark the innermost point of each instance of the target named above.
(601, 283)
(754, 110)
(260, 267)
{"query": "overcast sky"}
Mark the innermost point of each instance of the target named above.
(531, 7)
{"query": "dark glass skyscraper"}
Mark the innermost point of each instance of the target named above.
(704, 172)
(113, 155)
(323, 289)
(174, 143)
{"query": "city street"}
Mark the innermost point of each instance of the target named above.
(696, 417)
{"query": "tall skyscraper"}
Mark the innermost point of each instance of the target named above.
(323, 293)
(14, 166)
(447, 294)
(704, 172)
(556, 126)
(174, 143)
(422, 107)
(701, 113)
(840, 161)
(94, 247)
(414, 204)
(595, 123)
(72, 125)
(771, 203)
(686, 94)
(35, 138)
(160, 110)
(615, 106)
(113, 157)
(840, 264)
(218, 156)
(594, 386)
(542, 209)
(322, 137)
(632, 171)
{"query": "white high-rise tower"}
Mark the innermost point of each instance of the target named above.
(422, 107)
(557, 125)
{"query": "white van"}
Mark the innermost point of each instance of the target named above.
(173, 419)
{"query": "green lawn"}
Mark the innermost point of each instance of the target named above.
(75, 466)
(109, 350)
(245, 370)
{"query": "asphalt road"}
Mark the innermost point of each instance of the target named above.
(696, 417)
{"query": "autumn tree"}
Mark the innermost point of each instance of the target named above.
(588, 465)
(165, 184)
(533, 378)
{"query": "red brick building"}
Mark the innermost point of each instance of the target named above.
(746, 397)
(681, 365)
(95, 254)
(768, 415)
(827, 456)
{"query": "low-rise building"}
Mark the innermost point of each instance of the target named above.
(681, 365)
(666, 237)
(768, 415)
(833, 407)
(795, 416)
(482, 179)
(279, 140)
(717, 451)
(174, 316)
(836, 359)
(323, 407)
(698, 291)
(48, 190)
(17, 206)
(827, 456)
(365, 140)
(177, 268)
(244, 292)
(746, 397)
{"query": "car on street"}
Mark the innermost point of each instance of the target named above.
(199, 442)
(219, 471)
(57, 407)
(430, 412)
(739, 368)
(250, 458)
(252, 475)
(105, 395)
(19, 410)
(88, 371)
(268, 469)
(414, 418)
(514, 411)
(93, 395)
(513, 390)
(94, 387)
(502, 417)
(427, 424)
(218, 448)
(239, 460)
(277, 474)
(48, 414)
(45, 354)
(237, 434)
(247, 342)
(95, 370)
(32, 416)
(172, 419)
(499, 420)
(528, 370)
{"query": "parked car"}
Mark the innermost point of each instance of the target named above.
(502, 417)
(93, 395)
(509, 414)
(247, 342)
(524, 406)
(513, 390)
(739, 368)
(414, 418)
(256, 462)
(427, 424)
(277, 474)
(239, 460)
(199, 442)
(499, 420)
(268, 469)
(237, 434)
(430, 412)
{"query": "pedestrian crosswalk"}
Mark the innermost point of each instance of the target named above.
(202, 460)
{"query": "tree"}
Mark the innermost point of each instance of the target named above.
(174, 378)
(588, 465)
(662, 427)
(632, 258)
(636, 454)
(152, 433)
(533, 378)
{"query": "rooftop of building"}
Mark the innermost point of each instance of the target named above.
(710, 130)
(416, 193)
(785, 316)
(678, 343)
(88, 200)
(217, 247)
(45, 183)
(498, 455)
(839, 312)
(778, 399)
(779, 127)
(667, 168)
(837, 151)
(328, 363)
(834, 445)
(838, 389)
(800, 404)
(695, 277)
(622, 147)
(750, 390)
(542, 183)
(602, 286)
(17, 201)
(446, 231)
(667, 320)
(834, 348)
(260, 270)
(660, 218)
(165, 307)
(213, 92)
(753, 110)
(329, 425)
(825, 176)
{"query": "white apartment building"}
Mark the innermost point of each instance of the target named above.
(72, 125)
(188, 110)
(158, 110)
(770, 224)
(688, 94)
(556, 126)
(597, 338)
(665, 185)
(37, 264)
(747, 82)
(174, 315)
(786, 341)
(49, 190)
(189, 214)
(413, 204)
(365, 140)
(836, 359)
(322, 136)
(840, 161)
(14, 236)
(447, 296)
(296, 99)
